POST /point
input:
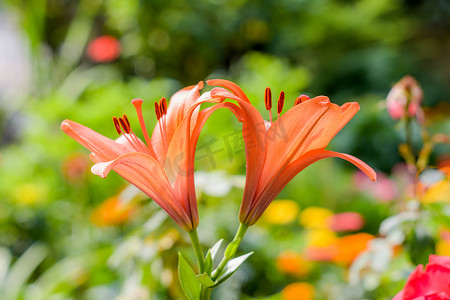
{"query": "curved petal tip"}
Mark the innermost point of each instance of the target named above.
(65, 125)
(101, 169)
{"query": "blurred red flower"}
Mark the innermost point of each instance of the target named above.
(105, 48)
(433, 283)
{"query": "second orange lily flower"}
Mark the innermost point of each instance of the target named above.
(277, 151)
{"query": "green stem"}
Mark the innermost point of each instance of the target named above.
(197, 249)
(239, 236)
(205, 294)
(409, 135)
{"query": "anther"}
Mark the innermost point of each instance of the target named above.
(116, 124)
(301, 99)
(157, 111)
(304, 98)
(268, 98)
(280, 102)
(126, 120)
(163, 106)
(124, 125)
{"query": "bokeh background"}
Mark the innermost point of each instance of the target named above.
(67, 234)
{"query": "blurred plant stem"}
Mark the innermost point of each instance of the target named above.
(197, 249)
(205, 293)
(235, 242)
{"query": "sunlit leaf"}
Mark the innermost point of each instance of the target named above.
(215, 249)
(231, 267)
(232, 248)
(208, 262)
(205, 280)
(188, 280)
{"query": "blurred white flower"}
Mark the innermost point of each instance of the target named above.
(15, 62)
(217, 183)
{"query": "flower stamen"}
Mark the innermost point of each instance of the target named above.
(268, 102)
(159, 116)
(300, 99)
(116, 125)
(125, 125)
(280, 103)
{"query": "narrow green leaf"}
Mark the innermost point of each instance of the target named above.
(231, 267)
(188, 279)
(232, 248)
(215, 249)
(205, 280)
(208, 262)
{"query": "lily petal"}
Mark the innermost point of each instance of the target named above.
(229, 85)
(147, 174)
(183, 158)
(103, 148)
(177, 109)
(255, 138)
(290, 133)
(270, 191)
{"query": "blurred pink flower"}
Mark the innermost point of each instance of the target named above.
(346, 221)
(105, 48)
(433, 283)
(383, 189)
(405, 99)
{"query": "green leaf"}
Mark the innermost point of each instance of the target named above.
(205, 280)
(188, 279)
(232, 248)
(231, 267)
(208, 262)
(215, 249)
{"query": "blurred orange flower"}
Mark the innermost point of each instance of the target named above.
(111, 212)
(321, 245)
(293, 263)
(298, 291)
(350, 246)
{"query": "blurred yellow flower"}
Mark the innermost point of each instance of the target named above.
(315, 217)
(439, 192)
(29, 193)
(293, 263)
(298, 291)
(281, 212)
(321, 238)
(443, 248)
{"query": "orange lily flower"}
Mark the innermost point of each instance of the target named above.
(163, 166)
(277, 151)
